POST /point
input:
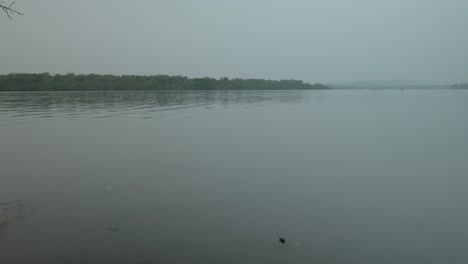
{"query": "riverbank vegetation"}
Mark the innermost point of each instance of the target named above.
(98, 82)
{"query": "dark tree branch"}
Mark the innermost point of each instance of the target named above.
(8, 10)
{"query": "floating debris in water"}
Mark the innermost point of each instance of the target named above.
(282, 240)
(113, 229)
(108, 188)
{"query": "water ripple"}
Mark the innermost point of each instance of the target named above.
(21, 106)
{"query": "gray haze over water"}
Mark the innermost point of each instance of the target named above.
(315, 41)
(217, 176)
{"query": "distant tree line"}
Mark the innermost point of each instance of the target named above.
(98, 82)
(460, 86)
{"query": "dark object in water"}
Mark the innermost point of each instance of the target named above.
(282, 240)
(113, 229)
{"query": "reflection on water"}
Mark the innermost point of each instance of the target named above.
(219, 176)
(108, 104)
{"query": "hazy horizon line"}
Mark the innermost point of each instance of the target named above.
(339, 83)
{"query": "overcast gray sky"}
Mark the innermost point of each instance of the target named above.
(311, 40)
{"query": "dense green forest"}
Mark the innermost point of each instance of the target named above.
(97, 82)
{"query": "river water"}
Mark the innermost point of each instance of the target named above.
(362, 176)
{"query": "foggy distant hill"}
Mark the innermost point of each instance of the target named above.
(380, 83)
(460, 86)
(387, 84)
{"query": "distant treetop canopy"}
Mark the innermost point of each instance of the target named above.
(97, 82)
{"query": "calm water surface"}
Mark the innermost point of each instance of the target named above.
(216, 177)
